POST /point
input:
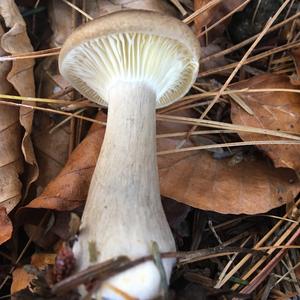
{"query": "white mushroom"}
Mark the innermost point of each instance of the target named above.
(132, 61)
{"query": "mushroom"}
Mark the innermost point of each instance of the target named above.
(133, 62)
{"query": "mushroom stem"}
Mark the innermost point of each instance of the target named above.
(123, 212)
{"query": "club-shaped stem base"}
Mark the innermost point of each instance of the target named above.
(123, 212)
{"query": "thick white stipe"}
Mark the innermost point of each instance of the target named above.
(123, 212)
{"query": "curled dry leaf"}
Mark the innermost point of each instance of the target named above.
(15, 41)
(11, 161)
(272, 110)
(69, 189)
(195, 179)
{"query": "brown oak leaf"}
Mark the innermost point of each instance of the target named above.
(272, 110)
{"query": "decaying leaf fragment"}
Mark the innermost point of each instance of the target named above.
(20, 280)
(69, 189)
(17, 75)
(23, 276)
(11, 160)
(272, 110)
(15, 41)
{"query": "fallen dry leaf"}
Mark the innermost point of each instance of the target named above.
(69, 189)
(249, 187)
(22, 277)
(5, 225)
(20, 280)
(11, 160)
(272, 110)
(15, 41)
(42, 260)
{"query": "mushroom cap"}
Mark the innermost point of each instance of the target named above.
(135, 46)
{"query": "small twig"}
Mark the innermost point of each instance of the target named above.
(218, 285)
(193, 98)
(179, 6)
(229, 126)
(199, 11)
(52, 111)
(212, 229)
(234, 144)
(65, 121)
(193, 105)
(256, 11)
(203, 254)
(200, 132)
(96, 271)
(159, 264)
(33, 54)
(78, 9)
(280, 218)
(35, 99)
(239, 101)
(278, 247)
(102, 271)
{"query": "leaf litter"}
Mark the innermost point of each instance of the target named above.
(236, 214)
